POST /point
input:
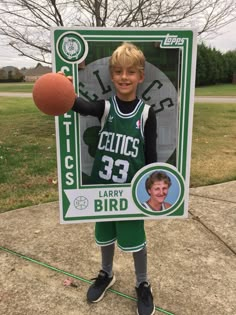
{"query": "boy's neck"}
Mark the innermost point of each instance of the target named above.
(123, 99)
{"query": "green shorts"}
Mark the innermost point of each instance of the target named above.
(130, 235)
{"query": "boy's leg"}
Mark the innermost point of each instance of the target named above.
(140, 265)
(131, 237)
(145, 303)
(107, 253)
(105, 234)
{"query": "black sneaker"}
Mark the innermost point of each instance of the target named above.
(145, 299)
(97, 290)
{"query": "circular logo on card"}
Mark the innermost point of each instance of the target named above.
(81, 203)
(72, 47)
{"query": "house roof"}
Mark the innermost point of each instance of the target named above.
(38, 70)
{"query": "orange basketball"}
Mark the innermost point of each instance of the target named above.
(53, 94)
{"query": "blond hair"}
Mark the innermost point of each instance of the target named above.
(127, 55)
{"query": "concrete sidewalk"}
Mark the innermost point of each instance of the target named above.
(192, 265)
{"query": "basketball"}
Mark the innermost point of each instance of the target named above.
(53, 94)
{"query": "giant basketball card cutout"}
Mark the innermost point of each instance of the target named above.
(168, 87)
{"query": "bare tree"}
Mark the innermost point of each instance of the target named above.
(26, 23)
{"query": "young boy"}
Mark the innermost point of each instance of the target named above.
(133, 129)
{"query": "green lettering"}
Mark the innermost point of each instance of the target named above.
(113, 205)
(123, 204)
(98, 205)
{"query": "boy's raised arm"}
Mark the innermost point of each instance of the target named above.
(85, 108)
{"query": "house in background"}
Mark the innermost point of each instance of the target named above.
(11, 74)
(31, 75)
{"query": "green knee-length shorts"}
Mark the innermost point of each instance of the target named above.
(130, 235)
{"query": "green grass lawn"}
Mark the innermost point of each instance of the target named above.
(216, 90)
(16, 87)
(28, 169)
(27, 155)
(213, 145)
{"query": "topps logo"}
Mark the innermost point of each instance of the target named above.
(173, 40)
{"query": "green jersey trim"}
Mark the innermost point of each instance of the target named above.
(105, 243)
(122, 115)
(132, 249)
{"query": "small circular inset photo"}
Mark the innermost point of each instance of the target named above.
(158, 189)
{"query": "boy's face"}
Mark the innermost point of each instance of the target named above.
(126, 80)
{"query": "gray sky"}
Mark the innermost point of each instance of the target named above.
(226, 40)
(223, 42)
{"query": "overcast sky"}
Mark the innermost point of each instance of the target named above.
(223, 42)
(226, 40)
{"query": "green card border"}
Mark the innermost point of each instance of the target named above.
(185, 40)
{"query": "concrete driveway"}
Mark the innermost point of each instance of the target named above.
(191, 262)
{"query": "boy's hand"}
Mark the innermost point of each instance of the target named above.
(70, 78)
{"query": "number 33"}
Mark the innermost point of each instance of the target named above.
(107, 172)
